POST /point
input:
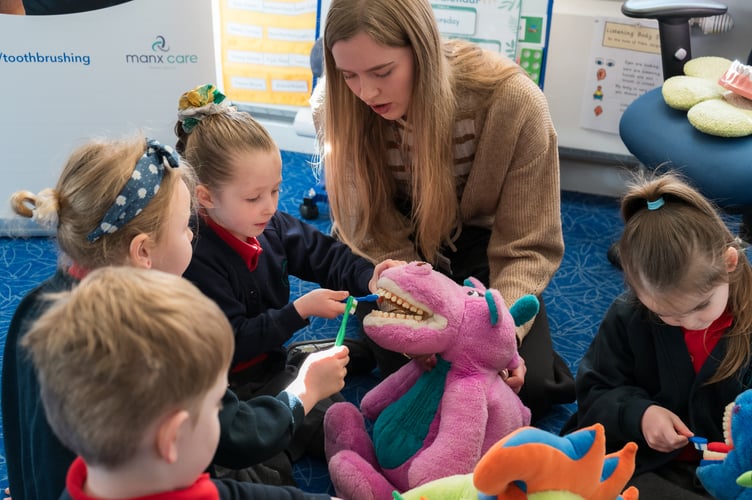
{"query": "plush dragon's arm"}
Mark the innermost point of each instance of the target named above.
(457, 446)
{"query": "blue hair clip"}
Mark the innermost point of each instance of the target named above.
(656, 204)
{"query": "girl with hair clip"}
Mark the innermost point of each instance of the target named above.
(674, 350)
(439, 150)
(246, 250)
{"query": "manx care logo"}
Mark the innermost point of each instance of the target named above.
(160, 54)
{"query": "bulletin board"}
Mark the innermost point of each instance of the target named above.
(265, 44)
(532, 37)
(516, 28)
(265, 50)
(492, 24)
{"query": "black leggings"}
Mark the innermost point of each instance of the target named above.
(674, 481)
(548, 380)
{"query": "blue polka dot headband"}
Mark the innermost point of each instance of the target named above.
(139, 190)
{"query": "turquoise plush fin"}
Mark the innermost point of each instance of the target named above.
(401, 429)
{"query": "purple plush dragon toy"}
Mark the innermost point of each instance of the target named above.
(435, 423)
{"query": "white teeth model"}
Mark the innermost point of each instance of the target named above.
(394, 306)
(738, 79)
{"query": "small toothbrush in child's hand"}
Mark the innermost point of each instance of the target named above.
(350, 305)
(349, 308)
(700, 443)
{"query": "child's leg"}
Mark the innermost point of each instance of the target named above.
(361, 357)
(266, 378)
(309, 438)
(674, 481)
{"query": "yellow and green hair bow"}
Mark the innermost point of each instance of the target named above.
(197, 103)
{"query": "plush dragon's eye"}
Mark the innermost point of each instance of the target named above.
(474, 293)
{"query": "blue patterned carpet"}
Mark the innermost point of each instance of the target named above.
(577, 298)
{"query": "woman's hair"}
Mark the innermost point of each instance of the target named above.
(215, 140)
(88, 186)
(678, 246)
(353, 138)
(119, 352)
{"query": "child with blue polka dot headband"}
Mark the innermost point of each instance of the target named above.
(116, 203)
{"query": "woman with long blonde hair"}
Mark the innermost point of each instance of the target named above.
(445, 152)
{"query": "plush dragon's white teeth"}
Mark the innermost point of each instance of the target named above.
(393, 306)
(727, 413)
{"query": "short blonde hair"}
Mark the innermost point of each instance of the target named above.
(88, 186)
(123, 348)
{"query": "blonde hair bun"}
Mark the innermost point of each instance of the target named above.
(41, 208)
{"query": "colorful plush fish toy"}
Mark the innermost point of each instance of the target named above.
(534, 464)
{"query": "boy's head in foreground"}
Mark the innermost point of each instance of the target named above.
(132, 366)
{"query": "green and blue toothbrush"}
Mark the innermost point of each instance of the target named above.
(350, 305)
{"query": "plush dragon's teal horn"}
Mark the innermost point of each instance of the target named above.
(524, 309)
(493, 311)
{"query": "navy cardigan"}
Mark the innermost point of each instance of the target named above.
(257, 302)
(636, 361)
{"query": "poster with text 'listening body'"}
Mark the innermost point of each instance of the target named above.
(625, 63)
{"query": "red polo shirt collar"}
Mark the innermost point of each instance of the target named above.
(249, 250)
(202, 489)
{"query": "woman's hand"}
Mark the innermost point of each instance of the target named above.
(515, 379)
(380, 267)
(425, 361)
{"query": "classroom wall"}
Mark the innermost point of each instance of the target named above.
(595, 161)
(567, 67)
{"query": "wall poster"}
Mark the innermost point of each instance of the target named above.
(625, 62)
(265, 50)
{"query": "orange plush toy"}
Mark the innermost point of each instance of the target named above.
(531, 463)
